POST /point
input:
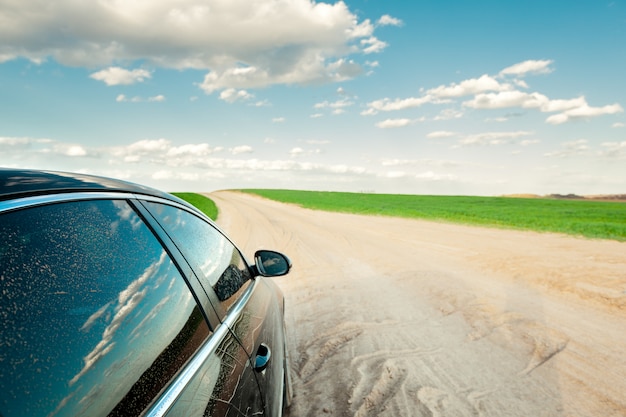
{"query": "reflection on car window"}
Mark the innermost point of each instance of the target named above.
(97, 318)
(214, 259)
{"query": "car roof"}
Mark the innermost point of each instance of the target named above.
(17, 183)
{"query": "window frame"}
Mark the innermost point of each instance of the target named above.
(222, 314)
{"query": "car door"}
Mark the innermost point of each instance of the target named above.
(251, 308)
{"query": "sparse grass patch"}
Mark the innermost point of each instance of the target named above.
(602, 220)
(203, 203)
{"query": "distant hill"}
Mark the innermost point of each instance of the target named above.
(608, 197)
(599, 197)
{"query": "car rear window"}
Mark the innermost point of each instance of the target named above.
(96, 317)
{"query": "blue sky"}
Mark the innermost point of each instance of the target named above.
(418, 97)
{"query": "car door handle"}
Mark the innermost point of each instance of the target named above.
(262, 359)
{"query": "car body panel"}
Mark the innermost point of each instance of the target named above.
(260, 323)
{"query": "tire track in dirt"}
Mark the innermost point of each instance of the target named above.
(324, 347)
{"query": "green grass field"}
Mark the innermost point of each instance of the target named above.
(204, 204)
(592, 219)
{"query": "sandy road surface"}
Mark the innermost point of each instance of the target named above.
(391, 317)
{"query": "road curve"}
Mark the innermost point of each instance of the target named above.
(393, 317)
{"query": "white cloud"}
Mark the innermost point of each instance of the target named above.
(312, 69)
(394, 123)
(7, 143)
(440, 134)
(120, 76)
(500, 119)
(520, 83)
(241, 149)
(576, 147)
(469, 87)
(230, 95)
(492, 138)
(296, 151)
(200, 149)
(21, 146)
(160, 151)
(242, 44)
(373, 45)
(278, 120)
(397, 162)
(147, 147)
(561, 105)
(584, 112)
(181, 176)
(506, 99)
(489, 93)
(529, 67)
(614, 149)
(316, 115)
(70, 150)
(337, 107)
(449, 114)
(439, 95)
(418, 162)
(571, 109)
(66, 150)
(339, 104)
(395, 174)
(198, 167)
(345, 169)
(261, 103)
(386, 20)
(369, 112)
(7, 57)
(387, 104)
(121, 98)
(618, 125)
(431, 176)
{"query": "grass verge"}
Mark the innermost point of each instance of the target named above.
(592, 219)
(203, 203)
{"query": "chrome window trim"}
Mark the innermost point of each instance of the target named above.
(155, 199)
(39, 200)
(176, 388)
(168, 398)
(237, 309)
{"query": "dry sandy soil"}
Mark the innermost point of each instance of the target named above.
(394, 317)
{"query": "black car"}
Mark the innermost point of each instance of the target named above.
(121, 300)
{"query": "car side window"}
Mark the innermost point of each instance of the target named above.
(212, 256)
(96, 317)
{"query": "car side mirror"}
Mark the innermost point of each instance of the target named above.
(269, 263)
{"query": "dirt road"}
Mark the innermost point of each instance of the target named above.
(393, 317)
